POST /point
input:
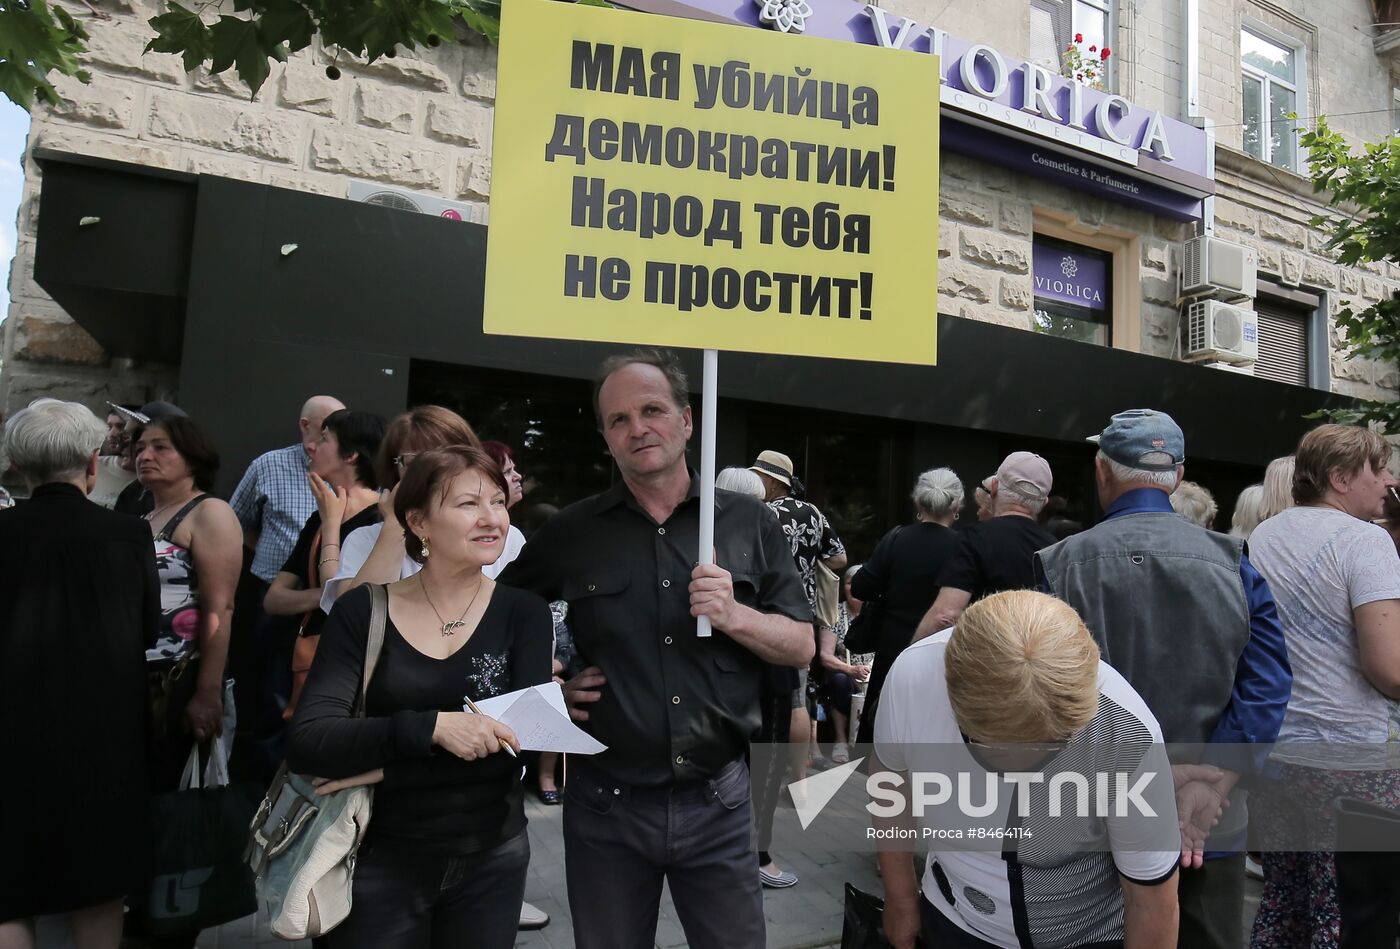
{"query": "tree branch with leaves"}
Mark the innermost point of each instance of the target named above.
(1362, 226)
(37, 39)
(262, 31)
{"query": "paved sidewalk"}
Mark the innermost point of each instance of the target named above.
(805, 916)
(800, 917)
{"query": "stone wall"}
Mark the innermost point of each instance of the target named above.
(1270, 213)
(1149, 39)
(1003, 24)
(1343, 75)
(421, 122)
(984, 246)
(1268, 208)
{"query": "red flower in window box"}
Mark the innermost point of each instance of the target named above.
(1084, 65)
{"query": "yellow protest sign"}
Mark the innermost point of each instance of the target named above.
(680, 183)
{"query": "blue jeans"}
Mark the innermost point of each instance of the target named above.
(404, 899)
(622, 842)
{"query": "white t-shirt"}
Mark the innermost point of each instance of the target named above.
(355, 550)
(1321, 564)
(112, 479)
(1065, 896)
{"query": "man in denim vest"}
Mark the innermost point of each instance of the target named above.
(1181, 613)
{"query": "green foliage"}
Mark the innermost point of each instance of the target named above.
(34, 41)
(1362, 226)
(260, 31)
(264, 30)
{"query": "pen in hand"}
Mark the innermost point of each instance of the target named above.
(505, 745)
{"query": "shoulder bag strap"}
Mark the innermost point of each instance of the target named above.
(378, 618)
(168, 530)
(313, 571)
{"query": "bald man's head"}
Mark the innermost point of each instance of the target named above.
(313, 413)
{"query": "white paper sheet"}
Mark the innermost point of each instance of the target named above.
(540, 719)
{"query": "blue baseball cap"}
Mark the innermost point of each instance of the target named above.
(1136, 434)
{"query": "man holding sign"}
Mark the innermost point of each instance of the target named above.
(669, 799)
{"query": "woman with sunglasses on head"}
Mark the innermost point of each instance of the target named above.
(375, 554)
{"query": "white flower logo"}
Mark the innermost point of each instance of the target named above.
(786, 16)
(1068, 266)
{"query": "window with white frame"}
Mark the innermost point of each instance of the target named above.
(1055, 24)
(1272, 74)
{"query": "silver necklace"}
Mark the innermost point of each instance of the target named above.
(448, 628)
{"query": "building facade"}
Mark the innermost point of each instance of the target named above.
(1062, 214)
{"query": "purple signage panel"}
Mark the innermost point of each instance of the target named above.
(1079, 174)
(1075, 108)
(1070, 276)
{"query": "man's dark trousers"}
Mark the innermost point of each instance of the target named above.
(621, 842)
(1211, 898)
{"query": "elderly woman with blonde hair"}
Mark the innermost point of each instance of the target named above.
(1278, 487)
(1246, 516)
(1018, 686)
(1194, 503)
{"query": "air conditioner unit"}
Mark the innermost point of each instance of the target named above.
(1218, 331)
(1213, 266)
(1247, 370)
(371, 193)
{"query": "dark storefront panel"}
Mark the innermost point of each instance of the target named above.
(370, 296)
(860, 470)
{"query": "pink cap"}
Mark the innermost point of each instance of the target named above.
(1026, 473)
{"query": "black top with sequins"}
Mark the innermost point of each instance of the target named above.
(429, 799)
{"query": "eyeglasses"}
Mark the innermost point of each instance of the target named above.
(404, 460)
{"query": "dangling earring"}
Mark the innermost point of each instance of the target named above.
(423, 542)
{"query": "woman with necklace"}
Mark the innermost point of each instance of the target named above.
(199, 552)
(445, 857)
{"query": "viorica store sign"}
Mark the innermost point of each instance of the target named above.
(981, 86)
(1026, 96)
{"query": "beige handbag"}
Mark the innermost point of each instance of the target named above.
(303, 845)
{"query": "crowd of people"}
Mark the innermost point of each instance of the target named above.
(118, 639)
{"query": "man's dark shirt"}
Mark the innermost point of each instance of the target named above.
(675, 707)
(996, 555)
